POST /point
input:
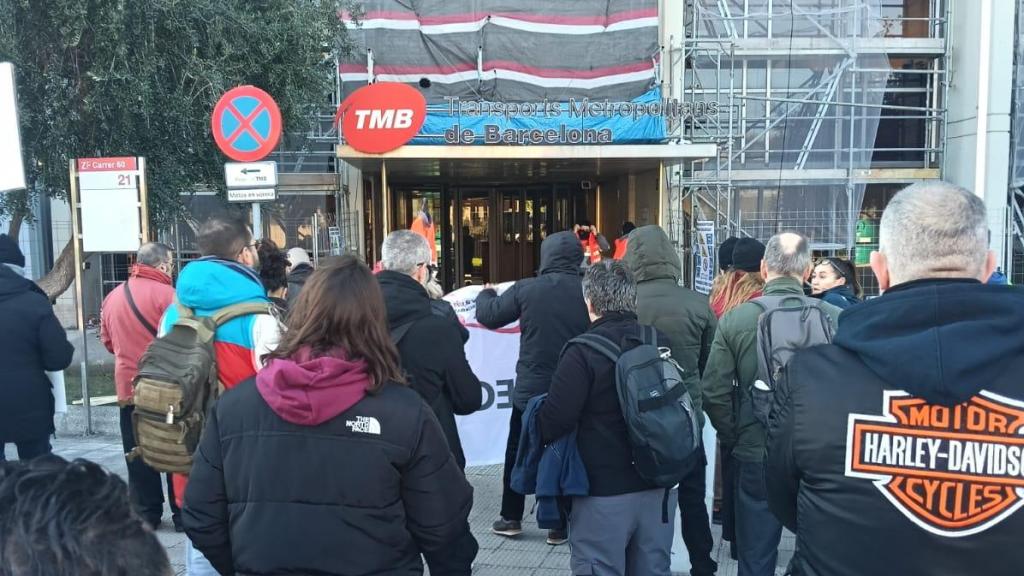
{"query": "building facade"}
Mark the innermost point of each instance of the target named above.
(712, 118)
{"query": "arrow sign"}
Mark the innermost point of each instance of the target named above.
(250, 174)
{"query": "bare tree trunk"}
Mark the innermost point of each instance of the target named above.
(62, 275)
(14, 227)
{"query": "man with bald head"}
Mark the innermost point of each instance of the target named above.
(731, 371)
(896, 449)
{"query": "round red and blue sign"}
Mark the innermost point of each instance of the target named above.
(246, 124)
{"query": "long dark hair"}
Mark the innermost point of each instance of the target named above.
(341, 308)
(845, 269)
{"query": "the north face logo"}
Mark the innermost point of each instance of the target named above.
(364, 425)
(954, 471)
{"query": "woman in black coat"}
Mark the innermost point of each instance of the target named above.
(323, 463)
(32, 342)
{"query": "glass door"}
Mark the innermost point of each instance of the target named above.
(473, 236)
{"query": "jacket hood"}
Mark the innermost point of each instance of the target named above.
(213, 283)
(650, 255)
(941, 340)
(561, 252)
(405, 299)
(310, 390)
(13, 284)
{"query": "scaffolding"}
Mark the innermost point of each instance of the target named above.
(1016, 199)
(817, 100)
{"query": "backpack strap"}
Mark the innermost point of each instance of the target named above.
(400, 331)
(135, 309)
(674, 393)
(184, 311)
(597, 342)
(229, 313)
(648, 335)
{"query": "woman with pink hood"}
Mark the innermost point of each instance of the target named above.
(325, 463)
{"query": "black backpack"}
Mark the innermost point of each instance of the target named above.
(658, 411)
(787, 324)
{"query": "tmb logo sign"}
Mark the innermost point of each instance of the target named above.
(952, 470)
(381, 117)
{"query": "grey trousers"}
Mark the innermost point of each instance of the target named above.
(622, 535)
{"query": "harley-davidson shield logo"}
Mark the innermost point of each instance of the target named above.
(953, 470)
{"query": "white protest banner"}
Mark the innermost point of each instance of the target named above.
(492, 355)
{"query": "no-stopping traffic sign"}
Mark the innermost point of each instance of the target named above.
(246, 124)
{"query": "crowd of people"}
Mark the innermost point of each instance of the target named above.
(333, 446)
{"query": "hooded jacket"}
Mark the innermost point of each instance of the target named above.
(432, 355)
(300, 471)
(32, 342)
(208, 285)
(123, 333)
(679, 313)
(550, 310)
(297, 281)
(732, 369)
(901, 439)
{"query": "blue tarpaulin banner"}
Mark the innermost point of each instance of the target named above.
(579, 121)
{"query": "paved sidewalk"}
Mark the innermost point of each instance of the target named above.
(526, 555)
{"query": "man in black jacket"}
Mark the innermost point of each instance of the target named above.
(429, 344)
(897, 448)
(31, 343)
(619, 527)
(550, 311)
(298, 273)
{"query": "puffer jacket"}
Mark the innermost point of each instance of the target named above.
(679, 313)
(32, 342)
(300, 471)
(732, 369)
(902, 439)
(550, 310)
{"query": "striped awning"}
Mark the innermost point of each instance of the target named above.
(508, 50)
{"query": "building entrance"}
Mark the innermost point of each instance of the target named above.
(489, 233)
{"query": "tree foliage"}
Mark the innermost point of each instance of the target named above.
(141, 77)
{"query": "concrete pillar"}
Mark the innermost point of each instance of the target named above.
(977, 154)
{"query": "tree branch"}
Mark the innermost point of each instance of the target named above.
(59, 279)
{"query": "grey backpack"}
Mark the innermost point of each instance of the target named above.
(659, 413)
(787, 324)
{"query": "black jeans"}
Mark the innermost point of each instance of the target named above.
(144, 483)
(728, 511)
(693, 513)
(758, 531)
(513, 504)
(28, 449)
